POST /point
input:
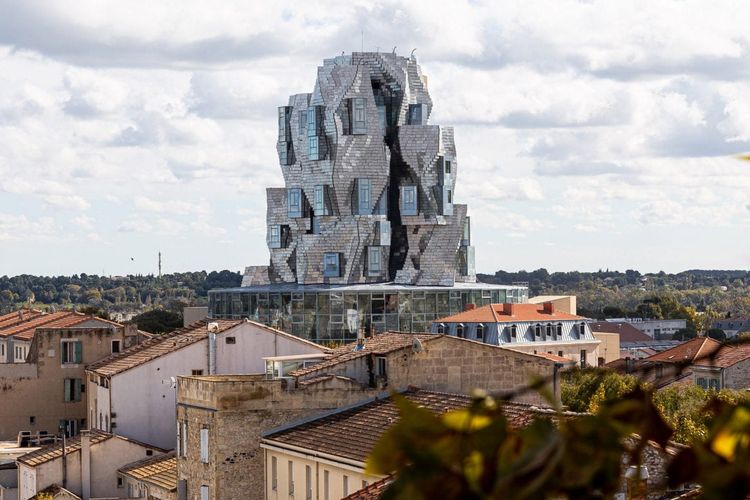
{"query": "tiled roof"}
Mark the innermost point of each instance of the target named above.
(627, 332)
(351, 433)
(26, 329)
(157, 346)
(556, 358)
(496, 313)
(53, 451)
(16, 317)
(726, 356)
(382, 343)
(161, 471)
(698, 347)
(372, 491)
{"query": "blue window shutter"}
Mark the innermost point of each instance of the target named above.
(66, 389)
(76, 389)
(78, 352)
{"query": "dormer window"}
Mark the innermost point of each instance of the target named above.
(582, 331)
(513, 332)
(559, 332)
(538, 331)
(440, 328)
(549, 331)
(460, 330)
(480, 332)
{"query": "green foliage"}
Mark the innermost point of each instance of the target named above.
(684, 334)
(584, 390)
(474, 453)
(113, 293)
(158, 321)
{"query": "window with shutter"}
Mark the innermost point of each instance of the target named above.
(204, 446)
(359, 115)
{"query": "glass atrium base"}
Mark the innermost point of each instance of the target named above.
(328, 313)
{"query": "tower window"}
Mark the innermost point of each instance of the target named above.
(415, 114)
(374, 265)
(274, 236)
(358, 115)
(364, 191)
(294, 198)
(320, 201)
(447, 164)
(408, 200)
(313, 148)
(331, 265)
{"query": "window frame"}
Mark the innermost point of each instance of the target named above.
(77, 346)
(374, 266)
(329, 258)
(294, 202)
(409, 200)
(364, 196)
(479, 332)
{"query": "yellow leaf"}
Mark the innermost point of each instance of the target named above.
(465, 420)
(733, 435)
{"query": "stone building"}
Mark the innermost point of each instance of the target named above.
(366, 231)
(220, 418)
(47, 391)
(132, 392)
(532, 328)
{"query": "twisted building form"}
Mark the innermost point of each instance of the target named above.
(367, 208)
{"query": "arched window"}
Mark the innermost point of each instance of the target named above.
(513, 333)
(582, 330)
(549, 331)
(538, 331)
(559, 332)
(441, 328)
(480, 332)
(460, 330)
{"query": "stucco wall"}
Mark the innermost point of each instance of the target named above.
(24, 396)
(355, 477)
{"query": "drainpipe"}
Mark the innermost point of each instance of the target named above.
(212, 329)
(85, 465)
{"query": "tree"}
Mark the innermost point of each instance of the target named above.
(684, 334)
(716, 334)
(158, 321)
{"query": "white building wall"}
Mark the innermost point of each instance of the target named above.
(26, 482)
(144, 401)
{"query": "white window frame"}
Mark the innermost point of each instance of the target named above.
(64, 351)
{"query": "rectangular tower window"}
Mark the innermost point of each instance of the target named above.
(415, 114)
(374, 265)
(447, 202)
(359, 115)
(204, 446)
(466, 237)
(312, 122)
(274, 236)
(384, 232)
(313, 148)
(294, 199)
(320, 201)
(331, 265)
(285, 131)
(408, 200)
(286, 154)
(301, 123)
(447, 165)
(364, 190)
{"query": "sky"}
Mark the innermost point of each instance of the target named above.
(589, 134)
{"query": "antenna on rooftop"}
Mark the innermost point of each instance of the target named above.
(160, 264)
(412, 53)
(394, 50)
(363, 41)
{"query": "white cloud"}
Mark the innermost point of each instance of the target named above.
(22, 229)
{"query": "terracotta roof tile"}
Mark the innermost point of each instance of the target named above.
(26, 330)
(351, 433)
(161, 471)
(687, 351)
(16, 317)
(627, 332)
(53, 451)
(372, 491)
(157, 346)
(726, 356)
(496, 313)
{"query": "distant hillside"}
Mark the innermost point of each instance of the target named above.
(614, 293)
(113, 293)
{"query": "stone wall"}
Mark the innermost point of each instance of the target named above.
(737, 376)
(236, 410)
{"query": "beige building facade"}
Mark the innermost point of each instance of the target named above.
(47, 391)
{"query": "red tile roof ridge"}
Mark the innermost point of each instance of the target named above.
(37, 322)
(495, 313)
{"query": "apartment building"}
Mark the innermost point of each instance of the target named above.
(532, 328)
(45, 392)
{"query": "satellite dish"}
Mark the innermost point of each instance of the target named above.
(417, 346)
(172, 381)
(213, 327)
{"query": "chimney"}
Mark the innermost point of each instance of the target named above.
(360, 339)
(85, 464)
(509, 309)
(470, 307)
(549, 308)
(212, 329)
